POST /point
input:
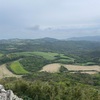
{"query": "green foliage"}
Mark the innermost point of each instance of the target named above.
(17, 68)
(33, 63)
(1, 54)
(75, 52)
(57, 86)
(88, 64)
(46, 55)
(9, 58)
(63, 69)
(32, 55)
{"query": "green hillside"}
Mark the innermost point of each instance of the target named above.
(55, 86)
(17, 68)
(27, 58)
(1, 54)
(46, 55)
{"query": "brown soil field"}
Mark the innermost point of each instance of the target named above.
(85, 69)
(77, 67)
(51, 68)
(4, 72)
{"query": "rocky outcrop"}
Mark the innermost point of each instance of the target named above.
(7, 94)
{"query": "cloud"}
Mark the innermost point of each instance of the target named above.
(59, 15)
(34, 28)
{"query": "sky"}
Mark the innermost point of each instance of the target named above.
(49, 18)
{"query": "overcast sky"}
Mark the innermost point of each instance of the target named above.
(49, 18)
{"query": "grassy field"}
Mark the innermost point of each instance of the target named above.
(65, 61)
(46, 55)
(17, 68)
(63, 56)
(1, 54)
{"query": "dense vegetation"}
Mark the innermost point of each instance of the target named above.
(81, 51)
(63, 69)
(57, 86)
(34, 54)
(6, 58)
(23, 56)
(33, 63)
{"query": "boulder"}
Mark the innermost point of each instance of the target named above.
(7, 94)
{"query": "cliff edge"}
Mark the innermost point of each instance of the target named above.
(7, 94)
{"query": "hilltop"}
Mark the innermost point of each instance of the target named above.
(86, 38)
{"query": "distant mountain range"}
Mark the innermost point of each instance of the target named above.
(48, 39)
(87, 38)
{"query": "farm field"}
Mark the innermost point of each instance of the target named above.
(77, 67)
(4, 72)
(51, 68)
(1, 54)
(33, 61)
(46, 55)
(17, 68)
(72, 68)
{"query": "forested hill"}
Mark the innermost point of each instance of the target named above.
(28, 56)
(86, 38)
(80, 50)
(49, 45)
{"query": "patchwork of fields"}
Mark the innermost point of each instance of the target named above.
(46, 55)
(83, 69)
(59, 60)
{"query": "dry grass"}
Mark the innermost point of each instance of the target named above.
(83, 69)
(4, 72)
(51, 68)
(77, 67)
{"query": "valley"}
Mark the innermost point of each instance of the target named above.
(50, 68)
(49, 54)
(49, 50)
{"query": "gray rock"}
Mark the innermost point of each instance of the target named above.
(7, 94)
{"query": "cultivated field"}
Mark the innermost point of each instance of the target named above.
(51, 68)
(4, 72)
(17, 68)
(46, 55)
(77, 67)
(72, 68)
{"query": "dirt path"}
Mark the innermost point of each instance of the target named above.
(4, 72)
